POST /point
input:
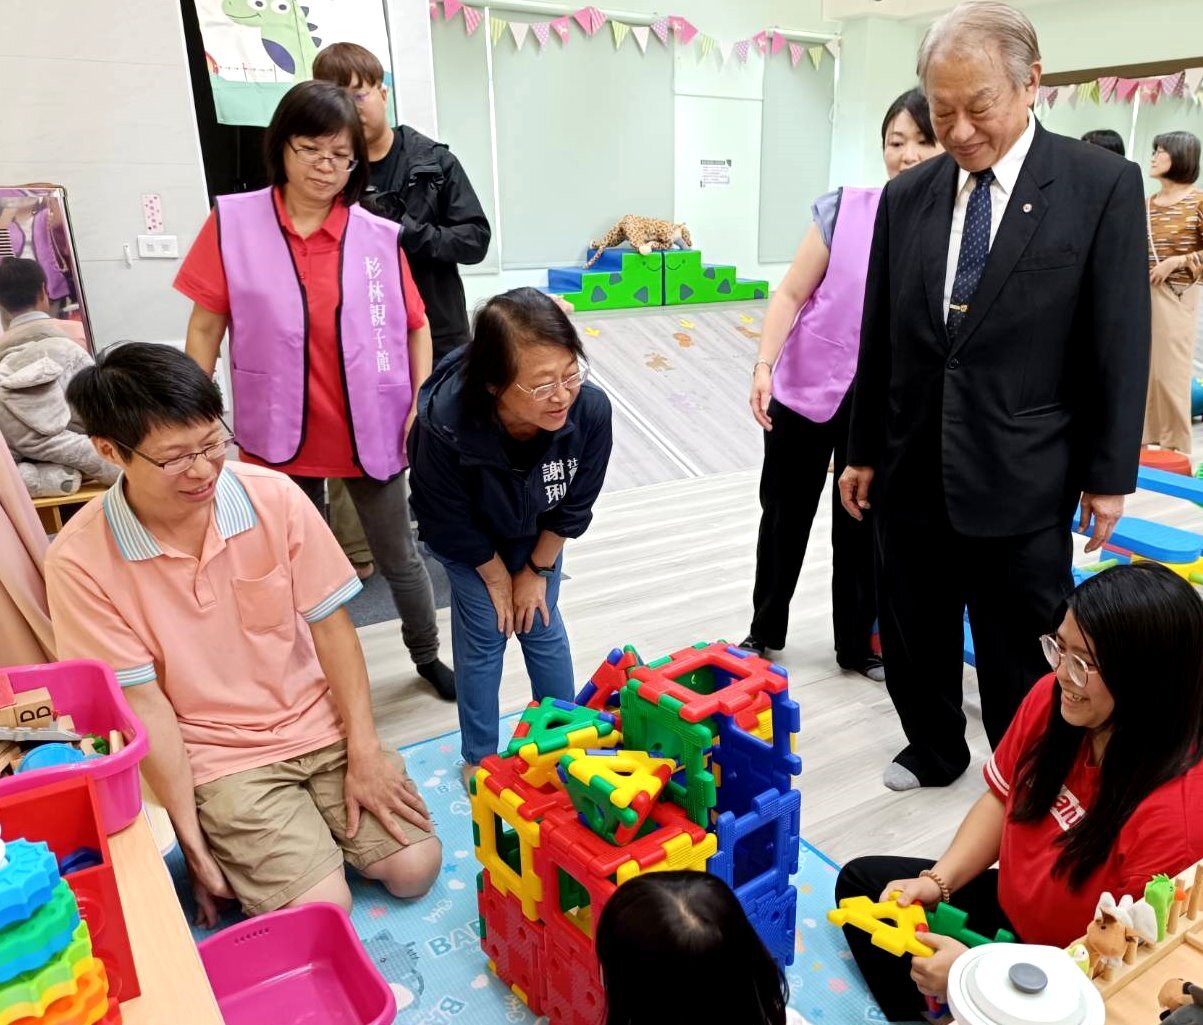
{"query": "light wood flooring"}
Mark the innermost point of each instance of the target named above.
(670, 563)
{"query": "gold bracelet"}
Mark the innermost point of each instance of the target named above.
(762, 362)
(945, 892)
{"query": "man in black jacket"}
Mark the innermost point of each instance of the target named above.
(1003, 366)
(418, 183)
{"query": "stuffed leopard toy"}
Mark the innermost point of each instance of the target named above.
(644, 234)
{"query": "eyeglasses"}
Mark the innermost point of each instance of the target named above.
(1078, 668)
(545, 391)
(176, 465)
(313, 156)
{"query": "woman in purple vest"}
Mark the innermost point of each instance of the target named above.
(801, 381)
(329, 342)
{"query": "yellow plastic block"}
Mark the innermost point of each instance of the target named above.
(891, 927)
(542, 767)
(682, 855)
(764, 725)
(630, 773)
(525, 885)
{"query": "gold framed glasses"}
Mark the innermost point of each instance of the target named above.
(176, 465)
(545, 391)
(1078, 668)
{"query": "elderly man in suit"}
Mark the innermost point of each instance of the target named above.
(1004, 358)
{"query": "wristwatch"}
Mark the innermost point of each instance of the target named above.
(543, 571)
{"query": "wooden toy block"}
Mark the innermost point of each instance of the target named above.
(116, 741)
(33, 709)
(10, 752)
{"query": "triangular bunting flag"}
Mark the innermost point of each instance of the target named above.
(1125, 88)
(640, 32)
(519, 29)
(1052, 97)
(743, 49)
(561, 27)
(590, 19)
(1042, 95)
(620, 29)
(1193, 78)
(542, 31)
(724, 51)
(434, 10)
(795, 54)
(1107, 87)
(683, 29)
(1072, 95)
(1092, 91)
(472, 19)
(777, 44)
(705, 47)
(661, 29)
(832, 46)
(1150, 90)
(815, 53)
(497, 28)
(1172, 85)
(761, 39)
(450, 9)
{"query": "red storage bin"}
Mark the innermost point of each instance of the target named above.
(66, 816)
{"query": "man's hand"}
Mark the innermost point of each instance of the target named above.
(1106, 510)
(530, 596)
(854, 490)
(930, 974)
(209, 885)
(374, 784)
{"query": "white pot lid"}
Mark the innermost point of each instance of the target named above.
(1022, 984)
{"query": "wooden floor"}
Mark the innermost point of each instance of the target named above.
(667, 564)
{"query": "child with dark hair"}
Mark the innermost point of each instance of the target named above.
(215, 590)
(1097, 785)
(677, 947)
(1106, 138)
(507, 457)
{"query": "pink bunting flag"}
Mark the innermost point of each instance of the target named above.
(761, 39)
(561, 27)
(450, 9)
(1052, 98)
(683, 29)
(1150, 90)
(661, 29)
(778, 43)
(472, 19)
(434, 10)
(1107, 87)
(590, 19)
(1125, 88)
(795, 54)
(542, 31)
(1171, 85)
(743, 49)
(1193, 77)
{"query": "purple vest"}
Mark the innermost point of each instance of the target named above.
(44, 251)
(269, 334)
(818, 362)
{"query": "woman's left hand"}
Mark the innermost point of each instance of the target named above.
(1161, 273)
(930, 974)
(409, 424)
(530, 596)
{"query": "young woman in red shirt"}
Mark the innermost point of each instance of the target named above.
(1097, 785)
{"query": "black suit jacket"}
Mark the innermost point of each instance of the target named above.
(1041, 396)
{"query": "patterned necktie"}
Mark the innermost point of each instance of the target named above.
(975, 247)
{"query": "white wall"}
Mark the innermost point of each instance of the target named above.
(99, 100)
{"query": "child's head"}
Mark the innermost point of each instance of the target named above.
(22, 286)
(677, 947)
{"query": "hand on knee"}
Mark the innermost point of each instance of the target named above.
(411, 871)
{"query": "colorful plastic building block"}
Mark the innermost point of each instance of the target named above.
(88, 1005)
(604, 685)
(549, 728)
(895, 929)
(30, 994)
(30, 944)
(613, 791)
(747, 765)
(573, 994)
(949, 921)
(513, 943)
(760, 847)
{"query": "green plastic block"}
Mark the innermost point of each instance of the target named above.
(640, 283)
(28, 945)
(687, 282)
(658, 662)
(40, 987)
(1159, 892)
(602, 817)
(572, 893)
(550, 724)
(949, 921)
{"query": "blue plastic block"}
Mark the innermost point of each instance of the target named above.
(758, 850)
(970, 652)
(564, 279)
(748, 766)
(1166, 483)
(772, 914)
(27, 881)
(1154, 541)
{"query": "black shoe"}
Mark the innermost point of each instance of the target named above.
(750, 643)
(441, 677)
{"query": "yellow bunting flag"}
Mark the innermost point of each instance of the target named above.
(497, 27)
(705, 47)
(816, 55)
(620, 31)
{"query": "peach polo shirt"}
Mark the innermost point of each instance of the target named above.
(225, 636)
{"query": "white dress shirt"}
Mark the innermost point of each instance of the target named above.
(1006, 174)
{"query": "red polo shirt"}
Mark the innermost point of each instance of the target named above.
(326, 450)
(1164, 834)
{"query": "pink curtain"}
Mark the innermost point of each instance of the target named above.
(26, 636)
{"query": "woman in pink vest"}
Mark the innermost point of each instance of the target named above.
(329, 342)
(801, 381)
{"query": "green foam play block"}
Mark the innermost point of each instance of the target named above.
(687, 281)
(640, 283)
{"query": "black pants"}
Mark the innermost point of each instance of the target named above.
(927, 574)
(889, 977)
(796, 454)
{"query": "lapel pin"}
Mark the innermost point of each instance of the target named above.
(1027, 208)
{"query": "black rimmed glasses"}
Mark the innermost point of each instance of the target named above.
(176, 465)
(313, 156)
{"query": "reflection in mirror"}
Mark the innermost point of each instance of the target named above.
(34, 227)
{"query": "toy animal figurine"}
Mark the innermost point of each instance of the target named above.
(644, 233)
(1107, 936)
(1181, 1003)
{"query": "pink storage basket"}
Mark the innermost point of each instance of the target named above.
(301, 965)
(88, 692)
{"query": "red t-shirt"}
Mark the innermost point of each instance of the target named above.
(1164, 834)
(326, 450)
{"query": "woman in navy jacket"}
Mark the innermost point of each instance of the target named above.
(507, 457)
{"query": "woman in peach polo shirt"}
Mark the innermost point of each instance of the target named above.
(329, 342)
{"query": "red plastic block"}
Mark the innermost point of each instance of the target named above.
(752, 676)
(66, 816)
(573, 992)
(506, 774)
(513, 943)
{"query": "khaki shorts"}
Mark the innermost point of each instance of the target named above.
(279, 830)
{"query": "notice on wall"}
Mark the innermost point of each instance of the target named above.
(715, 173)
